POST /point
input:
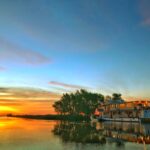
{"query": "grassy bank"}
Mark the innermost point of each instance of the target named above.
(54, 117)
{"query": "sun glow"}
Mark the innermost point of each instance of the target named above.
(7, 109)
(5, 122)
(4, 94)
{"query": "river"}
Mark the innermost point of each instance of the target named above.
(27, 134)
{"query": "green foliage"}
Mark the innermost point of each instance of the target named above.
(116, 96)
(79, 102)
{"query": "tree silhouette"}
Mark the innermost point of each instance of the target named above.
(79, 102)
(116, 96)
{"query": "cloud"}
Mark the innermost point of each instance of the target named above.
(146, 22)
(144, 6)
(72, 86)
(132, 98)
(27, 94)
(27, 106)
(2, 68)
(10, 103)
(11, 52)
(27, 100)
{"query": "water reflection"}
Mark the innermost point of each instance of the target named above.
(23, 134)
(78, 132)
(28, 134)
(130, 132)
(102, 133)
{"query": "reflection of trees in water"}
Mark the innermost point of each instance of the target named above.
(118, 133)
(78, 132)
(82, 133)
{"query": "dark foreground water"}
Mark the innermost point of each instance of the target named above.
(23, 134)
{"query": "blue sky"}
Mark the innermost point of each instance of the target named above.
(100, 45)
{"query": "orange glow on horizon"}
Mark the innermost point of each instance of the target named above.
(26, 107)
(20, 101)
(4, 123)
(8, 109)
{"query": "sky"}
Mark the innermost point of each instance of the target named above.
(49, 47)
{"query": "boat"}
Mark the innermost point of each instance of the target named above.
(124, 111)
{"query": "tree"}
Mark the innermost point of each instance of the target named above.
(81, 101)
(116, 96)
(58, 107)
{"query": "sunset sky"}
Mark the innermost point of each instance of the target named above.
(48, 47)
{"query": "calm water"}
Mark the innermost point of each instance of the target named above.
(23, 134)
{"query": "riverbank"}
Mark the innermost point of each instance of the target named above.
(53, 117)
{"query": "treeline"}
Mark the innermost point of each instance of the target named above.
(53, 117)
(80, 102)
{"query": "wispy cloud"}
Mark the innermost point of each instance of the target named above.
(131, 98)
(27, 94)
(2, 68)
(11, 52)
(145, 12)
(27, 100)
(61, 84)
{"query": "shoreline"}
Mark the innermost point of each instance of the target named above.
(53, 117)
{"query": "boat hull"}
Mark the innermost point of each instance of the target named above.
(120, 119)
(145, 120)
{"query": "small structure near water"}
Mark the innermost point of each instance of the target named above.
(120, 110)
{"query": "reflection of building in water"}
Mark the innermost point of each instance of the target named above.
(119, 110)
(131, 132)
(117, 133)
